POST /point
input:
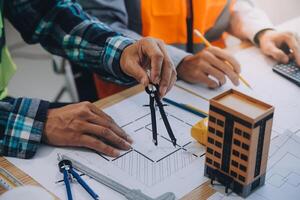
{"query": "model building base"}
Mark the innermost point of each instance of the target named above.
(229, 183)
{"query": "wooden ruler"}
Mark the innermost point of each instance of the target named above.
(19, 174)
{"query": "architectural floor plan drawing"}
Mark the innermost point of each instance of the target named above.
(152, 169)
(151, 164)
(283, 173)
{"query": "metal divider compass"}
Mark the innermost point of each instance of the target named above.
(66, 168)
(153, 91)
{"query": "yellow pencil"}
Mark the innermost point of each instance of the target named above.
(208, 44)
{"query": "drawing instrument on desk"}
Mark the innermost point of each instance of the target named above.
(66, 168)
(130, 194)
(7, 180)
(152, 90)
(191, 92)
(186, 107)
(208, 44)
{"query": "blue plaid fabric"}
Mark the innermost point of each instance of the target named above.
(21, 126)
(62, 28)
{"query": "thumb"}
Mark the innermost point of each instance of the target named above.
(138, 73)
(277, 54)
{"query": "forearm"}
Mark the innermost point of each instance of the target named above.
(21, 126)
(63, 29)
(246, 20)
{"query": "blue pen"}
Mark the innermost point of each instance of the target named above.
(186, 108)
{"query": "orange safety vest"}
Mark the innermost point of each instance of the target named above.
(168, 20)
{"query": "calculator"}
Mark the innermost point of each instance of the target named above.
(290, 71)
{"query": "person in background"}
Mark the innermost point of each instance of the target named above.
(174, 21)
(63, 28)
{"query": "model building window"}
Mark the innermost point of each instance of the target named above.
(211, 129)
(217, 165)
(219, 133)
(237, 142)
(210, 140)
(245, 146)
(234, 163)
(238, 131)
(246, 135)
(243, 168)
(218, 144)
(220, 123)
(234, 174)
(236, 153)
(244, 157)
(217, 154)
(241, 178)
(209, 160)
(209, 150)
(212, 119)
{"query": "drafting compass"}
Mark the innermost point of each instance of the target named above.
(66, 168)
(153, 91)
(128, 193)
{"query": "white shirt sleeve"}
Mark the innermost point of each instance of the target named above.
(247, 20)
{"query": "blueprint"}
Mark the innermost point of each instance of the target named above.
(152, 169)
(165, 168)
(283, 171)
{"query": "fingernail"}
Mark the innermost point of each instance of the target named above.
(163, 91)
(142, 81)
(237, 82)
(213, 85)
(129, 139)
(156, 81)
(128, 146)
(145, 81)
(116, 153)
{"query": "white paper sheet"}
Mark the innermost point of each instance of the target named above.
(267, 86)
(154, 170)
(283, 172)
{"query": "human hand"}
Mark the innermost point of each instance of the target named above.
(272, 41)
(209, 61)
(84, 125)
(149, 54)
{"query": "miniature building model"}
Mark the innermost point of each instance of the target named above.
(238, 139)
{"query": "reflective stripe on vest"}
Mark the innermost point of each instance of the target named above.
(167, 19)
(7, 66)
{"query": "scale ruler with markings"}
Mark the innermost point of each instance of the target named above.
(7, 180)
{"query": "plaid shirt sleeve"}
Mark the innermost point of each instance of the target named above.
(63, 28)
(21, 126)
